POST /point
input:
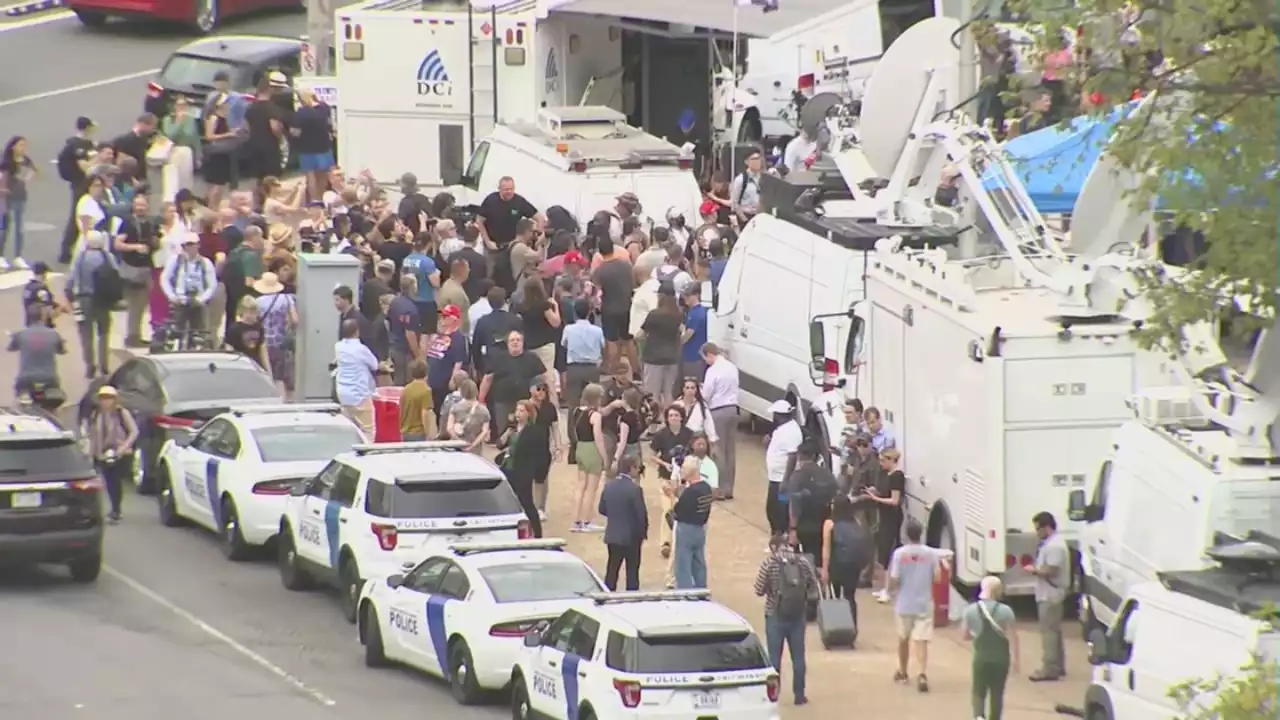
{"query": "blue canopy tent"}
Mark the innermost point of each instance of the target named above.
(1053, 163)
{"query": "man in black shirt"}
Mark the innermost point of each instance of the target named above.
(489, 336)
(413, 203)
(265, 123)
(73, 166)
(37, 293)
(475, 261)
(810, 488)
(135, 144)
(497, 220)
(507, 380)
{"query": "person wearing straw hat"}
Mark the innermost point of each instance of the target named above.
(112, 432)
(279, 312)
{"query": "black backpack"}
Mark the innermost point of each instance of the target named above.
(108, 286)
(850, 544)
(68, 163)
(793, 590)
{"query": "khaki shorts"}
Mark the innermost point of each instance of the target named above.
(914, 627)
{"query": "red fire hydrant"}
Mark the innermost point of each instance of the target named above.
(942, 595)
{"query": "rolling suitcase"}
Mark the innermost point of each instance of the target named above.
(836, 626)
(811, 607)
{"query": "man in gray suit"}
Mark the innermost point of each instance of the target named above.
(622, 503)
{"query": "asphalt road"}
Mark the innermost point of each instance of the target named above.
(58, 70)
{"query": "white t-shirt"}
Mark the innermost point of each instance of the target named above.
(783, 444)
(88, 206)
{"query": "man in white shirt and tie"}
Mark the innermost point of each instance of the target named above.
(720, 390)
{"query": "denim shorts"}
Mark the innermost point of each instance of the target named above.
(315, 162)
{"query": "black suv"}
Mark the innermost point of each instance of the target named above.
(50, 496)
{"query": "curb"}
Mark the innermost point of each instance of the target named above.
(31, 8)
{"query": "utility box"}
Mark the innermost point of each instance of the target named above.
(318, 276)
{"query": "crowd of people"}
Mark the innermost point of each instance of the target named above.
(511, 326)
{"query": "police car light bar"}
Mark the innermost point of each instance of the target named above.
(378, 448)
(603, 598)
(281, 409)
(484, 547)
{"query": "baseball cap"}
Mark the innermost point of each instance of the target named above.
(184, 195)
(780, 407)
(452, 311)
(108, 391)
(83, 123)
(39, 267)
(190, 239)
(628, 198)
(387, 264)
(277, 78)
(575, 257)
(103, 170)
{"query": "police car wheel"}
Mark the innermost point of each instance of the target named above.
(520, 700)
(292, 576)
(233, 543)
(349, 589)
(85, 570)
(462, 678)
(167, 504)
(375, 654)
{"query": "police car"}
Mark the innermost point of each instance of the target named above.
(462, 613)
(234, 475)
(633, 655)
(375, 508)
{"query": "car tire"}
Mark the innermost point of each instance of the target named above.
(91, 19)
(349, 585)
(375, 653)
(85, 570)
(207, 15)
(234, 546)
(520, 707)
(166, 502)
(292, 576)
(462, 676)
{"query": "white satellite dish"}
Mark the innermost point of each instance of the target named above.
(898, 85)
(1107, 216)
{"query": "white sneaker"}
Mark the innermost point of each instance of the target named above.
(4, 265)
(20, 264)
(882, 596)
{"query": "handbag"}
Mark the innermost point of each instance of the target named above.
(158, 153)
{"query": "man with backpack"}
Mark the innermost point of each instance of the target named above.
(744, 192)
(73, 167)
(189, 281)
(786, 581)
(94, 286)
(809, 488)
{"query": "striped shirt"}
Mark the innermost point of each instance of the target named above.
(769, 581)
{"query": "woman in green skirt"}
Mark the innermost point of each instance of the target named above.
(590, 453)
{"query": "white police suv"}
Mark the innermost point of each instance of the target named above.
(627, 656)
(234, 475)
(377, 507)
(462, 613)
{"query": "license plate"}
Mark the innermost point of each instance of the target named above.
(24, 500)
(708, 700)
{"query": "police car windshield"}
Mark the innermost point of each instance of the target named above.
(535, 582)
(229, 383)
(442, 499)
(192, 71)
(23, 458)
(302, 443)
(693, 653)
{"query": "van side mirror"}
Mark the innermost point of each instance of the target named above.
(817, 349)
(395, 581)
(1097, 647)
(1077, 506)
(533, 639)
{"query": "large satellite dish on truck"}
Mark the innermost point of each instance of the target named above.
(897, 88)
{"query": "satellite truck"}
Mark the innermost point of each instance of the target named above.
(1007, 364)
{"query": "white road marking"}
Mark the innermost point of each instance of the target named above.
(40, 19)
(253, 657)
(77, 88)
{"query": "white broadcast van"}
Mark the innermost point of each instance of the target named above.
(582, 159)
(800, 260)
(422, 84)
(1194, 625)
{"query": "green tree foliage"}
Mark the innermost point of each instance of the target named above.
(1250, 694)
(1207, 143)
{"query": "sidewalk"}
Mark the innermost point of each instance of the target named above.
(836, 679)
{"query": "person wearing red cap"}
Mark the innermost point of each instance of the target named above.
(447, 353)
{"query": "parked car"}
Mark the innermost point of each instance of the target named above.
(246, 59)
(173, 395)
(202, 15)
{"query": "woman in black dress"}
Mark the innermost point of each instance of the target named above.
(219, 145)
(520, 442)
